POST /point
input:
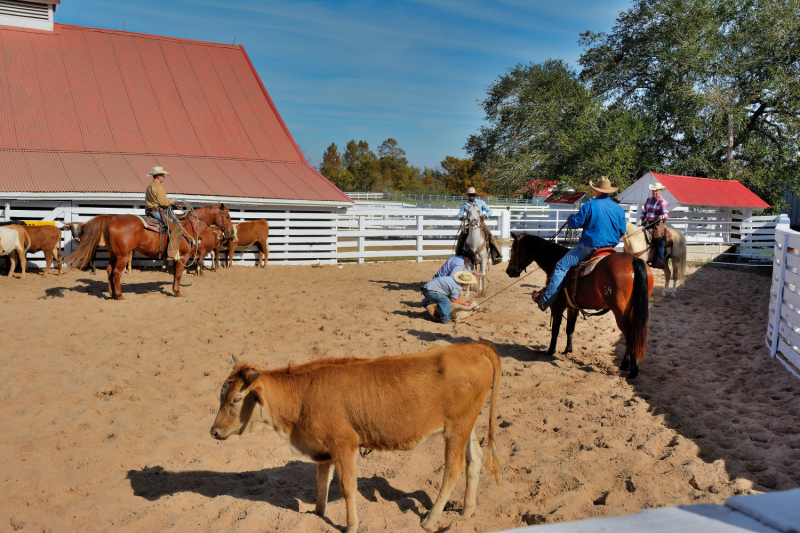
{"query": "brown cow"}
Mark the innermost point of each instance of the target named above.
(330, 408)
(76, 228)
(246, 234)
(14, 242)
(210, 241)
(46, 239)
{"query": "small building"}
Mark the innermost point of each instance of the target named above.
(85, 113)
(567, 200)
(707, 211)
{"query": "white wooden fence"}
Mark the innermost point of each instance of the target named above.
(783, 329)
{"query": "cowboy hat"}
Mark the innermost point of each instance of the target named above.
(472, 190)
(465, 277)
(158, 170)
(603, 185)
(656, 187)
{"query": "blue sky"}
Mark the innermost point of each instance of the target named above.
(341, 70)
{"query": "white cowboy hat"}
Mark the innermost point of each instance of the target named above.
(465, 277)
(656, 187)
(603, 185)
(158, 170)
(472, 190)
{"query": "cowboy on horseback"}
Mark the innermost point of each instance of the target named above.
(472, 196)
(603, 224)
(157, 203)
(655, 212)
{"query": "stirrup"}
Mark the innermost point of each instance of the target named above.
(537, 299)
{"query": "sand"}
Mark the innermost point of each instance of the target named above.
(107, 405)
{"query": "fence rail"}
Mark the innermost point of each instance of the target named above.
(783, 328)
(440, 198)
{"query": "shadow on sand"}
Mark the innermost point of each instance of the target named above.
(283, 486)
(99, 289)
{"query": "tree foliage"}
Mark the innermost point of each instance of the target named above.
(657, 93)
(333, 168)
(461, 174)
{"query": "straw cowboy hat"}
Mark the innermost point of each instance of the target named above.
(158, 170)
(656, 187)
(603, 185)
(472, 190)
(465, 277)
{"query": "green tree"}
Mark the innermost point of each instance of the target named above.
(333, 169)
(394, 166)
(544, 123)
(716, 83)
(460, 174)
(362, 164)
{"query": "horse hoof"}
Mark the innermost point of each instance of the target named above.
(624, 366)
(633, 374)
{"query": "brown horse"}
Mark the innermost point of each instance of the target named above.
(124, 234)
(620, 282)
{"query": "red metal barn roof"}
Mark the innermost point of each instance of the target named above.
(689, 190)
(93, 110)
(564, 198)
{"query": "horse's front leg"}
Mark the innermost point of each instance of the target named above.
(667, 276)
(556, 312)
(572, 317)
(177, 273)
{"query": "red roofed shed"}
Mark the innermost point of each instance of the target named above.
(85, 113)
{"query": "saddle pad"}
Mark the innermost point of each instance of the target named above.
(587, 267)
(150, 223)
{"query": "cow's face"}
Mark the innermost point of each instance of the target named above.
(238, 401)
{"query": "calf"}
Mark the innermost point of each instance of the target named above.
(246, 234)
(210, 241)
(330, 408)
(76, 229)
(46, 239)
(14, 242)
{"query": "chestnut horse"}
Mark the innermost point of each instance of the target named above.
(124, 234)
(620, 282)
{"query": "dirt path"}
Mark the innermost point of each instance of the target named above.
(107, 405)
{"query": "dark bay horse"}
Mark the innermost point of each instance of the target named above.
(124, 234)
(620, 282)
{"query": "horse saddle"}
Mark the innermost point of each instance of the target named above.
(584, 268)
(151, 223)
(651, 235)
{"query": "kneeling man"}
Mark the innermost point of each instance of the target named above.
(447, 293)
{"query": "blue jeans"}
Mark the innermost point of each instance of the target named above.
(157, 214)
(660, 248)
(443, 301)
(573, 257)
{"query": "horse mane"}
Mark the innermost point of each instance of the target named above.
(547, 252)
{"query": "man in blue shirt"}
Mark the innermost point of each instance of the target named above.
(472, 198)
(603, 224)
(457, 263)
(447, 293)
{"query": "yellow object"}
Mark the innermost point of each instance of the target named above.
(39, 222)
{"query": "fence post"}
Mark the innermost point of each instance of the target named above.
(505, 232)
(420, 227)
(362, 226)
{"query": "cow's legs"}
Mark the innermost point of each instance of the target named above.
(454, 463)
(57, 253)
(48, 260)
(474, 458)
(324, 477)
(346, 465)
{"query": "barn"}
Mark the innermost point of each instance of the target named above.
(85, 113)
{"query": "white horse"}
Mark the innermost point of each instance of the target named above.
(635, 243)
(477, 244)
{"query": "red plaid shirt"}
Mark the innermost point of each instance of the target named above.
(654, 208)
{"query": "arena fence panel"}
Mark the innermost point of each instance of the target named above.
(783, 328)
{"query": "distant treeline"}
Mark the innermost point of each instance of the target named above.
(360, 169)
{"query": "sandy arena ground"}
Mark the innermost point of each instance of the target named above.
(107, 406)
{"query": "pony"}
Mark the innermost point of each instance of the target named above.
(619, 282)
(636, 244)
(477, 244)
(124, 234)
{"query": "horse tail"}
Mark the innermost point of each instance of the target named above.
(93, 231)
(492, 462)
(640, 312)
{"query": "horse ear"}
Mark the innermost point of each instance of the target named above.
(221, 205)
(516, 236)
